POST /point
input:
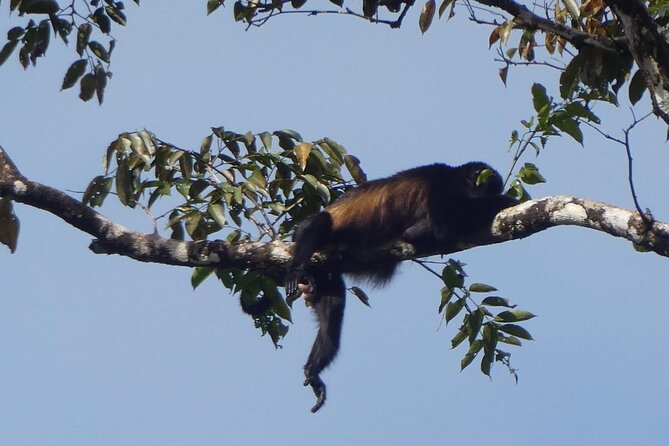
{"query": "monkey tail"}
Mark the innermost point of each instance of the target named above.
(328, 304)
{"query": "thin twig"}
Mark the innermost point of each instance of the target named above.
(630, 170)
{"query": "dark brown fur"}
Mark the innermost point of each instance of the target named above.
(428, 206)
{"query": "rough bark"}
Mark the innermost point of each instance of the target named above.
(649, 49)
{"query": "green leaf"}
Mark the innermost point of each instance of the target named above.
(446, 295)
(514, 316)
(474, 349)
(486, 363)
(426, 15)
(15, 33)
(63, 27)
(570, 126)
(116, 15)
(194, 224)
(205, 147)
(490, 338)
(76, 70)
(217, 212)
(199, 275)
(369, 8)
(504, 73)
(511, 340)
(460, 336)
(7, 50)
(540, 99)
(474, 323)
(360, 294)
(289, 134)
(637, 87)
(186, 165)
(39, 7)
(100, 83)
(213, 5)
(97, 191)
(87, 87)
(443, 6)
(102, 20)
(196, 189)
(174, 223)
(516, 330)
(123, 182)
(580, 111)
(496, 301)
(279, 305)
(453, 308)
(43, 37)
(258, 180)
(266, 139)
(83, 36)
(481, 288)
(569, 78)
(353, 166)
(99, 51)
(529, 174)
(452, 275)
(9, 225)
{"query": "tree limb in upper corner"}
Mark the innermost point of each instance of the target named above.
(649, 48)
(272, 258)
(530, 20)
(641, 38)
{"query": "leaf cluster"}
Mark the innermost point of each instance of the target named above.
(236, 186)
(90, 21)
(590, 73)
(257, 13)
(483, 329)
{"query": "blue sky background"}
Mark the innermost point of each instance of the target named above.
(104, 350)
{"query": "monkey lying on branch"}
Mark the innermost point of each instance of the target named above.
(426, 206)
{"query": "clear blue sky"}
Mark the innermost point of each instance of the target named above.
(102, 350)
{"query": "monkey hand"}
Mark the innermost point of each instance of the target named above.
(298, 281)
(318, 386)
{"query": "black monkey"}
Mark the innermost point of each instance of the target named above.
(431, 207)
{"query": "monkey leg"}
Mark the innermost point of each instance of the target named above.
(309, 236)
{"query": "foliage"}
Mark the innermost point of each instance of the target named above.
(237, 186)
(91, 70)
(483, 330)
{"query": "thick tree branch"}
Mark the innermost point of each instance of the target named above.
(271, 258)
(649, 49)
(530, 20)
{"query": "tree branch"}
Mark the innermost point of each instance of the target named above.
(530, 20)
(272, 258)
(649, 49)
